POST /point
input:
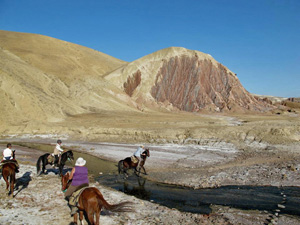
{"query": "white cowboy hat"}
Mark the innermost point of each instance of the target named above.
(80, 162)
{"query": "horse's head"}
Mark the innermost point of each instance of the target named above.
(14, 154)
(65, 181)
(70, 155)
(147, 152)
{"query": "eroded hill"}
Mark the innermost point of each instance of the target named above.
(186, 80)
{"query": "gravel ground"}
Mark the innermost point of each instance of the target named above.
(38, 199)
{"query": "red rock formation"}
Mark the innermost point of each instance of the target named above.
(132, 82)
(191, 84)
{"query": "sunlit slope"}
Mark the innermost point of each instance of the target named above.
(45, 79)
(66, 60)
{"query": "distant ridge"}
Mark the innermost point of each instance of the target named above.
(63, 59)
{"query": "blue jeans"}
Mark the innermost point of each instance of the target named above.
(7, 158)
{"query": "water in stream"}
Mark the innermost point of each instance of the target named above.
(198, 201)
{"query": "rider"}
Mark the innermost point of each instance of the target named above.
(8, 155)
(138, 153)
(79, 177)
(57, 152)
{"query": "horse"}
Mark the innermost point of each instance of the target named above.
(9, 172)
(91, 202)
(127, 164)
(44, 159)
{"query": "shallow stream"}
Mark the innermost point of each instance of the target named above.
(266, 198)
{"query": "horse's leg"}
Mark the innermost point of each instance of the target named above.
(137, 172)
(12, 184)
(144, 170)
(98, 215)
(7, 183)
(81, 217)
(61, 166)
(125, 173)
(90, 215)
(44, 165)
(75, 218)
(5, 177)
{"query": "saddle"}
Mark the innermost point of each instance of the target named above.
(3, 162)
(74, 198)
(50, 159)
(134, 159)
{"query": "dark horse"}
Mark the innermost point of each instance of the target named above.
(44, 159)
(127, 164)
(9, 172)
(91, 202)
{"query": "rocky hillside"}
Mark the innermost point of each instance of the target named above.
(184, 79)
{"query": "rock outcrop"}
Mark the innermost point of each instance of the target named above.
(188, 80)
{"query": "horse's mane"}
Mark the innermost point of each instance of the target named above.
(147, 152)
(68, 152)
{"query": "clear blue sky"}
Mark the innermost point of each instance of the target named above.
(257, 39)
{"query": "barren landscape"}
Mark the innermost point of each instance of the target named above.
(203, 129)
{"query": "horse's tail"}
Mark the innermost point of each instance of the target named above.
(121, 207)
(120, 166)
(38, 164)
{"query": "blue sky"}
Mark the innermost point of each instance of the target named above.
(259, 40)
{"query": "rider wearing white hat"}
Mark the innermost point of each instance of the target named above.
(79, 177)
(80, 162)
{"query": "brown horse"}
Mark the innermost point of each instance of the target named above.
(127, 164)
(91, 202)
(9, 173)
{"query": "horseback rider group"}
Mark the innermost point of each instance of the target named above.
(78, 179)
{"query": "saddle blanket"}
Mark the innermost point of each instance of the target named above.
(50, 159)
(74, 198)
(134, 159)
(3, 162)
